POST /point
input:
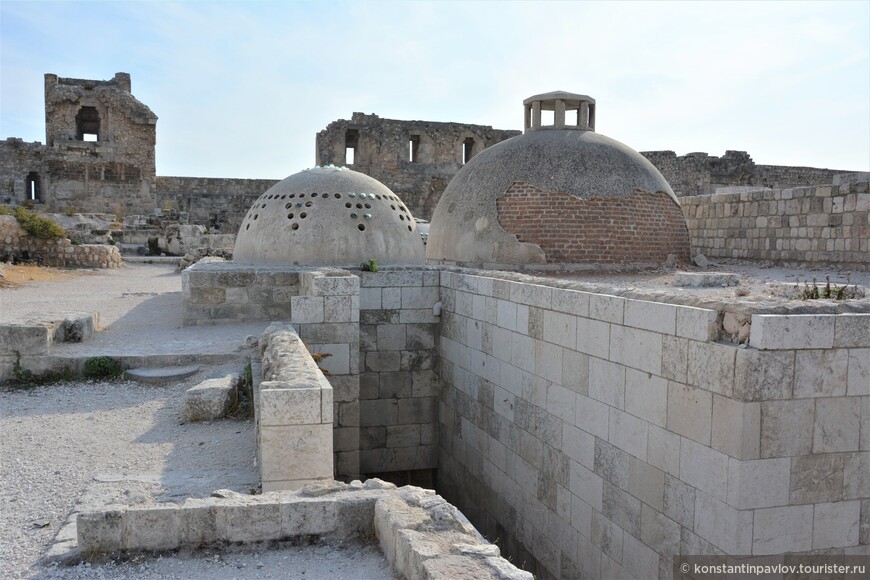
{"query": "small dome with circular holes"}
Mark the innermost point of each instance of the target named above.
(328, 216)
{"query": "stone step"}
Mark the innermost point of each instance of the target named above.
(160, 375)
(211, 399)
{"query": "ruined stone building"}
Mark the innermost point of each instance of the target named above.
(415, 159)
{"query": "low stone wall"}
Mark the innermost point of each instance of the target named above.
(600, 436)
(421, 535)
(293, 413)
(811, 226)
(17, 243)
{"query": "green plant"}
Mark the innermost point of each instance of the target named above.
(5, 210)
(37, 225)
(242, 405)
(21, 374)
(370, 266)
(111, 241)
(102, 367)
(828, 292)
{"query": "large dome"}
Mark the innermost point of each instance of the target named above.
(328, 216)
(558, 194)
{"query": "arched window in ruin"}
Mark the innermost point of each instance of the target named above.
(88, 124)
(467, 150)
(351, 141)
(31, 187)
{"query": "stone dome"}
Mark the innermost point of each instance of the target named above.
(558, 194)
(328, 216)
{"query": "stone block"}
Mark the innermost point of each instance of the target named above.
(606, 308)
(675, 358)
(560, 402)
(253, 522)
(297, 452)
(290, 406)
(621, 508)
(646, 483)
(704, 468)
(852, 331)
(420, 410)
(663, 450)
(378, 412)
(391, 298)
(722, 525)
(307, 309)
(659, 532)
(758, 484)
(391, 337)
(856, 476)
(607, 383)
(302, 517)
(392, 278)
(523, 352)
(201, 523)
(548, 361)
(531, 294)
(736, 428)
(338, 309)
(592, 416)
(711, 367)
(679, 502)
(560, 329)
(370, 298)
(151, 528)
(697, 323)
(763, 375)
(578, 445)
(575, 371)
(571, 301)
(836, 425)
(784, 428)
(653, 316)
(423, 297)
(333, 285)
(27, 340)
(858, 383)
(628, 433)
(421, 336)
(865, 424)
(593, 337)
(639, 349)
(383, 361)
(99, 531)
(817, 478)
(690, 412)
(793, 331)
(864, 526)
(587, 485)
(611, 463)
(820, 373)
(210, 399)
(782, 529)
(836, 525)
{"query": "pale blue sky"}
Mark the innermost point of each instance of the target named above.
(241, 88)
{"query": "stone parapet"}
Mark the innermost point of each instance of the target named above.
(17, 243)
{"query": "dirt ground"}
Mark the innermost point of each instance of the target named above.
(22, 274)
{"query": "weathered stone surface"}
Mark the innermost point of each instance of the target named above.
(210, 399)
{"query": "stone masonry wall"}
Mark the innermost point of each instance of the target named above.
(398, 381)
(641, 228)
(701, 173)
(383, 151)
(15, 242)
(807, 225)
(599, 436)
(218, 203)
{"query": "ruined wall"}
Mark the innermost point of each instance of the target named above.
(643, 228)
(21, 163)
(219, 203)
(17, 243)
(806, 225)
(701, 173)
(415, 159)
(598, 437)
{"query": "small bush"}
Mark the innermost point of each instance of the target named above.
(102, 367)
(5, 210)
(35, 224)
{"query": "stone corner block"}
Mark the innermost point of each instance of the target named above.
(794, 331)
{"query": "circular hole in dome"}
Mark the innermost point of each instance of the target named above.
(378, 196)
(348, 205)
(361, 227)
(392, 207)
(256, 215)
(264, 205)
(303, 215)
(292, 195)
(401, 217)
(294, 227)
(359, 206)
(368, 206)
(290, 216)
(337, 196)
(315, 194)
(284, 196)
(301, 195)
(288, 206)
(247, 227)
(354, 215)
(409, 228)
(308, 204)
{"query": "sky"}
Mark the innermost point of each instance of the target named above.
(242, 88)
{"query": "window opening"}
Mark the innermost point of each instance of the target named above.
(88, 124)
(572, 118)
(467, 150)
(32, 187)
(351, 140)
(548, 118)
(414, 149)
(591, 117)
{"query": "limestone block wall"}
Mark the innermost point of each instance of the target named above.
(398, 381)
(599, 436)
(293, 413)
(219, 203)
(323, 307)
(807, 225)
(15, 242)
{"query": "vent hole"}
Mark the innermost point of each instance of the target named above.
(288, 206)
(290, 216)
(337, 196)
(368, 206)
(348, 205)
(247, 227)
(361, 227)
(303, 215)
(294, 227)
(308, 204)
